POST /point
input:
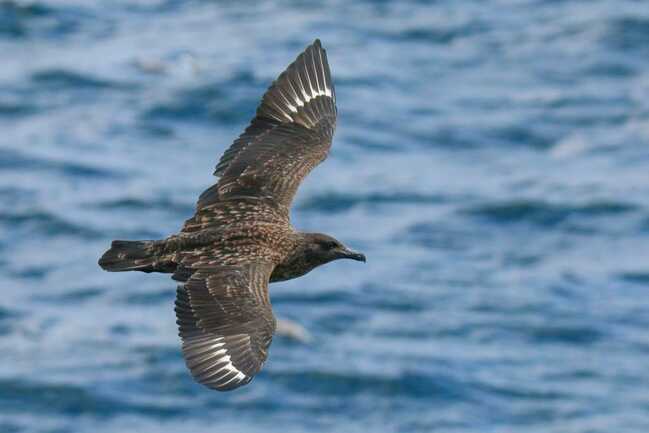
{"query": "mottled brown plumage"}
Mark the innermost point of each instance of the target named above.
(240, 237)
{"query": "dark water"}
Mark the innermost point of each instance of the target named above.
(491, 159)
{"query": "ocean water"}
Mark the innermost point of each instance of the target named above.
(491, 159)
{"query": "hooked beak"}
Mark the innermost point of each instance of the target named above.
(349, 254)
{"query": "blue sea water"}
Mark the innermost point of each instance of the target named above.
(491, 159)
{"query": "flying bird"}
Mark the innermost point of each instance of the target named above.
(240, 238)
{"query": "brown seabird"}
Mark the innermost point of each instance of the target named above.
(240, 237)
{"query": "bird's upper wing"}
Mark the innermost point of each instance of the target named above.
(290, 134)
(226, 323)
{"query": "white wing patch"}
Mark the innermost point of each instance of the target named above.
(220, 366)
(294, 102)
(228, 367)
(327, 90)
(307, 81)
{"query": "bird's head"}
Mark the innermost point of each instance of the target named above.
(321, 249)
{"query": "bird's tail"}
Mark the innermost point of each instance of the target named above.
(134, 256)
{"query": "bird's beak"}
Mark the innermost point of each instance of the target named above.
(349, 254)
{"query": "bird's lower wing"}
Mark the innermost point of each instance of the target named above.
(226, 323)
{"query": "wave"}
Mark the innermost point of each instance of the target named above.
(573, 335)
(438, 32)
(32, 272)
(334, 202)
(220, 102)
(15, 109)
(165, 296)
(159, 203)
(439, 35)
(16, 18)
(11, 160)
(23, 20)
(72, 297)
(47, 224)
(7, 318)
(406, 384)
(19, 396)
(544, 213)
(641, 278)
(628, 33)
(64, 79)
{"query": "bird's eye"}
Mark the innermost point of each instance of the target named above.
(328, 245)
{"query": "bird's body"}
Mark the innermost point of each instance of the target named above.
(240, 237)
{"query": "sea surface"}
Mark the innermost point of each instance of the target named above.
(491, 159)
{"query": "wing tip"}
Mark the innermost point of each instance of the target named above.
(306, 79)
(303, 93)
(209, 360)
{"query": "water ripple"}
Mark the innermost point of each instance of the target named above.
(335, 202)
(67, 80)
(24, 20)
(46, 224)
(545, 213)
(24, 397)
(137, 204)
(204, 103)
(412, 385)
(11, 160)
(628, 34)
